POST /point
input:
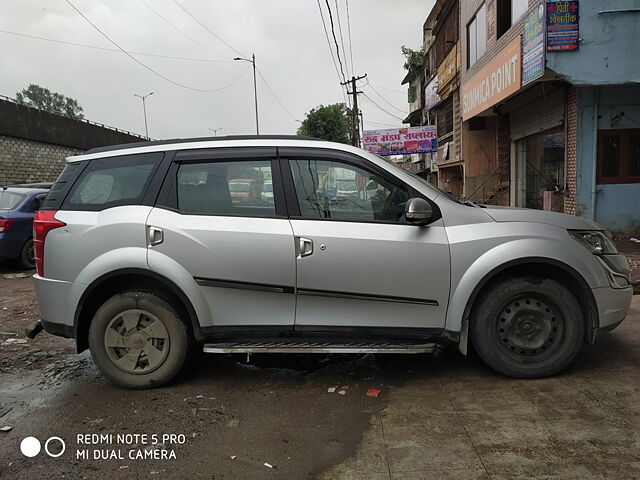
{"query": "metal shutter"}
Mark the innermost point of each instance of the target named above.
(541, 114)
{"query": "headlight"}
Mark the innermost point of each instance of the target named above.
(598, 242)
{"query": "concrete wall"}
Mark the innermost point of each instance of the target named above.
(608, 52)
(27, 161)
(616, 205)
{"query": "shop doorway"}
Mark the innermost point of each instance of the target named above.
(540, 171)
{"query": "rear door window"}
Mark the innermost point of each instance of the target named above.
(242, 188)
(113, 181)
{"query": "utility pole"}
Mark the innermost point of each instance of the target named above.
(215, 131)
(144, 109)
(355, 128)
(255, 87)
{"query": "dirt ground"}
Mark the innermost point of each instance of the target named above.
(237, 416)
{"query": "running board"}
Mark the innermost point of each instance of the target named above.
(319, 347)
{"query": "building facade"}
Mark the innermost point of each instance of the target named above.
(550, 116)
(446, 83)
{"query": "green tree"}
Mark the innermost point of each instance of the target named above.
(329, 122)
(44, 99)
(413, 59)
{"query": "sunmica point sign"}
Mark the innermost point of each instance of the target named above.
(497, 80)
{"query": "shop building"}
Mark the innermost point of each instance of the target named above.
(552, 128)
(446, 97)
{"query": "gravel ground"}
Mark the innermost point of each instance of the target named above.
(236, 416)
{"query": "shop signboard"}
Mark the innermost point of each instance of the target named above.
(401, 141)
(497, 80)
(431, 97)
(562, 26)
(447, 71)
(533, 46)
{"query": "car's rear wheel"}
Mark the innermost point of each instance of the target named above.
(139, 340)
(527, 327)
(27, 259)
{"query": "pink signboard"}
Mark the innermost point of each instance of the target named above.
(401, 141)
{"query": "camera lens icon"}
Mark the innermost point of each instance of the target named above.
(30, 447)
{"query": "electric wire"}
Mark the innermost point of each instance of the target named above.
(344, 50)
(186, 35)
(368, 84)
(195, 19)
(335, 41)
(142, 64)
(274, 94)
(349, 33)
(95, 47)
(326, 33)
(370, 100)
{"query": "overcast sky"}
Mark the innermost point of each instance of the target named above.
(286, 36)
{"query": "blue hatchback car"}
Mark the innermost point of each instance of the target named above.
(18, 206)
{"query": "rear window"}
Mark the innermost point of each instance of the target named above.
(113, 181)
(9, 200)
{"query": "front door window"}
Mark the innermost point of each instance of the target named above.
(328, 189)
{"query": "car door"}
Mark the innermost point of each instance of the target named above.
(235, 243)
(359, 264)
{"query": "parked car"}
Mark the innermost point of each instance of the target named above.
(18, 206)
(138, 263)
(243, 191)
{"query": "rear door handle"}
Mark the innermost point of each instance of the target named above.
(155, 236)
(305, 247)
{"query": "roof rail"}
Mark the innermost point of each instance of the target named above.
(198, 139)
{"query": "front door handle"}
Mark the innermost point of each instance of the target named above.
(155, 236)
(305, 247)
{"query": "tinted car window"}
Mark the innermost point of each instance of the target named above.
(113, 181)
(225, 188)
(9, 200)
(340, 191)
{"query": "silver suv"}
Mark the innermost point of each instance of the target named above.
(290, 244)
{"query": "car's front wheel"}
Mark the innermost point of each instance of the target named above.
(527, 327)
(139, 340)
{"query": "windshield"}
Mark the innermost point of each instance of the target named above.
(425, 182)
(239, 187)
(9, 200)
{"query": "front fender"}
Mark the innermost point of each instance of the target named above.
(557, 251)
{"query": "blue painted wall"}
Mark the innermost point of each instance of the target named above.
(616, 206)
(609, 45)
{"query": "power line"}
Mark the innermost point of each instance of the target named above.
(326, 33)
(145, 65)
(182, 32)
(381, 124)
(335, 40)
(388, 89)
(95, 47)
(379, 107)
(274, 94)
(349, 31)
(344, 50)
(195, 19)
(379, 95)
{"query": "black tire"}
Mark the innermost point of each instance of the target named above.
(26, 259)
(527, 327)
(155, 352)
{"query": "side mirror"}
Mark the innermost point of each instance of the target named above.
(418, 211)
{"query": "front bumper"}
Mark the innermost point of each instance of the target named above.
(613, 305)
